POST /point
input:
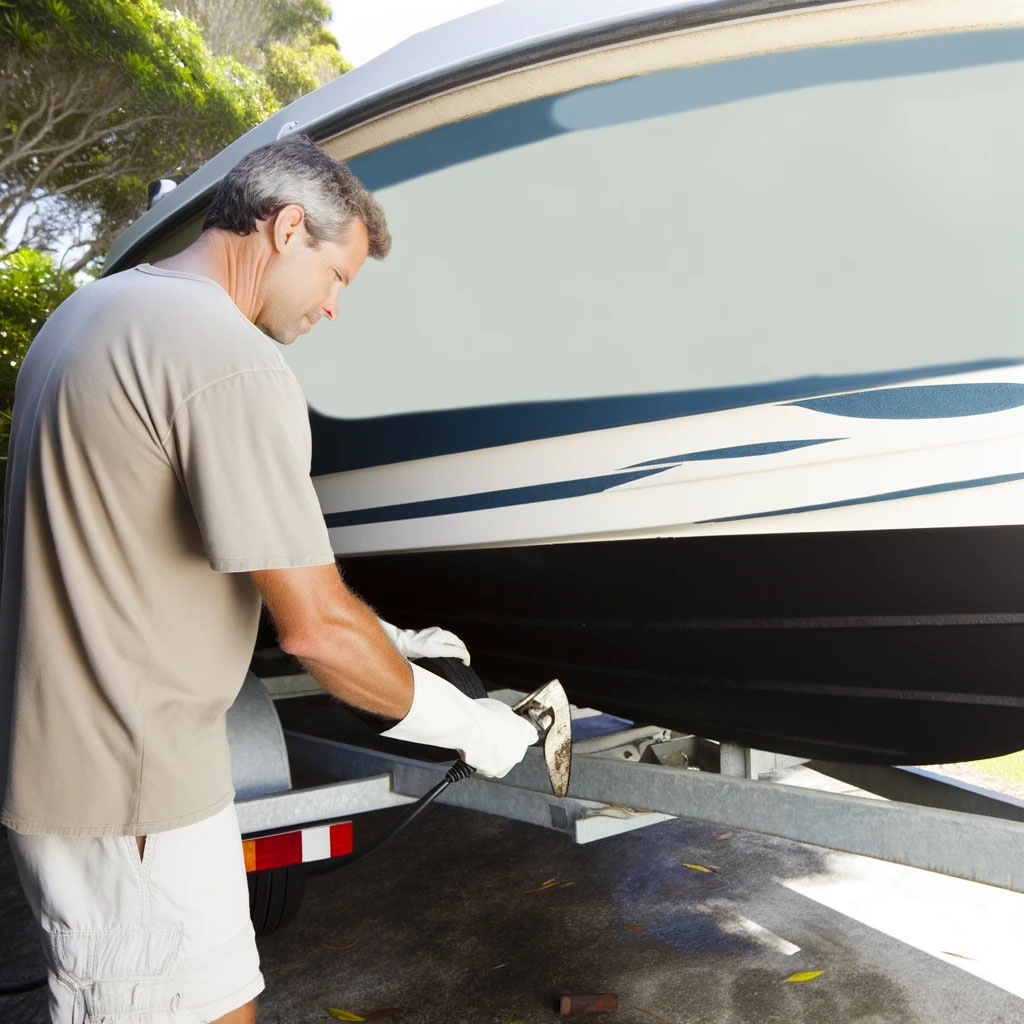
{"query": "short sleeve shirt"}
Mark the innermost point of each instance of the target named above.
(160, 450)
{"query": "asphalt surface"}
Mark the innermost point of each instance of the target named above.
(444, 925)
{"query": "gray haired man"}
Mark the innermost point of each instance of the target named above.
(157, 488)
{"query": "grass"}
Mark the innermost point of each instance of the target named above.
(1002, 774)
(1009, 766)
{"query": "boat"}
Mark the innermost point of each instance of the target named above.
(695, 377)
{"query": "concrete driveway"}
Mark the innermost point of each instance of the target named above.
(458, 920)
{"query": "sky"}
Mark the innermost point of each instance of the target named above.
(365, 28)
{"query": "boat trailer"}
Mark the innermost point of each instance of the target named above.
(623, 778)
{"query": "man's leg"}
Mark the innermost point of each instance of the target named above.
(77, 888)
(243, 1015)
(197, 874)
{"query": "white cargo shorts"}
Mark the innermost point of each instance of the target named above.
(161, 939)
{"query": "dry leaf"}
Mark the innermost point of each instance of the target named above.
(959, 956)
(805, 976)
(343, 1014)
(566, 884)
(549, 884)
(499, 966)
(634, 927)
(710, 869)
(351, 945)
(724, 835)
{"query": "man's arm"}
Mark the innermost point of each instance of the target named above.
(342, 644)
(337, 638)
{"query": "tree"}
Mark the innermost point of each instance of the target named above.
(32, 287)
(284, 41)
(98, 99)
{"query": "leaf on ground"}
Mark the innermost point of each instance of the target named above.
(551, 883)
(498, 967)
(724, 835)
(634, 927)
(327, 945)
(705, 869)
(805, 976)
(565, 885)
(343, 1014)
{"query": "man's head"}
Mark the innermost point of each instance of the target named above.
(308, 225)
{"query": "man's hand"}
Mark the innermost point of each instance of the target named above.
(434, 642)
(488, 735)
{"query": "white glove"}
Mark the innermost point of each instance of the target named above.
(488, 735)
(434, 642)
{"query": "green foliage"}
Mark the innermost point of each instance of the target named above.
(163, 53)
(289, 19)
(102, 95)
(31, 288)
(28, 38)
(284, 41)
(99, 97)
(169, 67)
(292, 71)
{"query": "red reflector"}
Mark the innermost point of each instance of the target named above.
(278, 851)
(341, 839)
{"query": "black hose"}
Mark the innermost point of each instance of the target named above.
(459, 770)
(463, 678)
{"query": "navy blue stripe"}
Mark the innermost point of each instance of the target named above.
(959, 485)
(739, 451)
(678, 90)
(486, 499)
(340, 445)
(929, 401)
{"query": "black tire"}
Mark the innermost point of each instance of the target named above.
(275, 897)
(462, 677)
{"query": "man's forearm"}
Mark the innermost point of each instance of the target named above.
(337, 637)
(357, 663)
(340, 640)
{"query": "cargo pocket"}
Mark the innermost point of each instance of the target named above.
(121, 975)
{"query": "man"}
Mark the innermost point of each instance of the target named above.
(158, 486)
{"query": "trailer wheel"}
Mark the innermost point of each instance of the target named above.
(275, 897)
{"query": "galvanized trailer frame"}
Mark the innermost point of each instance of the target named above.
(923, 820)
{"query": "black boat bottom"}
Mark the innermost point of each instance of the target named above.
(884, 647)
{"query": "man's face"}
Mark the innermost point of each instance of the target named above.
(303, 282)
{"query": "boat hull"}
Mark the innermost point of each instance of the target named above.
(888, 647)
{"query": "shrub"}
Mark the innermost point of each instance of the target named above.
(31, 288)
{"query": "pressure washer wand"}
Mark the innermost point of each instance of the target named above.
(547, 708)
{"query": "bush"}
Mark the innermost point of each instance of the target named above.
(31, 288)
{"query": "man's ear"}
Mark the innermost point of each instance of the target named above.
(288, 226)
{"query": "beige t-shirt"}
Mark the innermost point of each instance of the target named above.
(160, 449)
